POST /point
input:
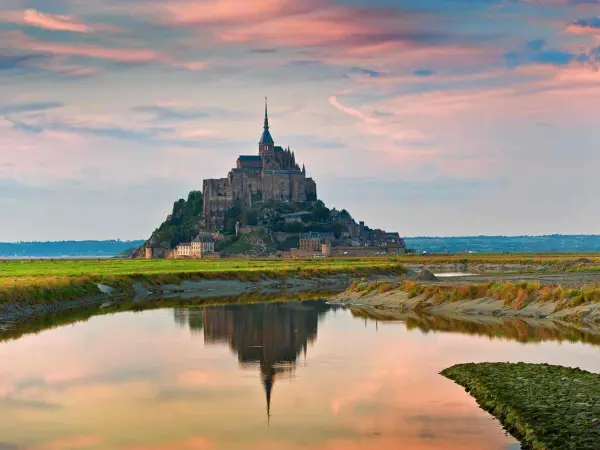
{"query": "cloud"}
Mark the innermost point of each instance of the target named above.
(54, 22)
(590, 25)
(8, 62)
(366, 72)
(537, 52)
(28, 107)
(312, 23)
(423, 72)
(123, 54)
(166, 113)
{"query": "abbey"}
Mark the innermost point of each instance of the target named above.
(271, 176)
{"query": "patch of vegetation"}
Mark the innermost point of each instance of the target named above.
(515, 295)
(545, 407)
(44, 281)
(182, 225)
(258, 243)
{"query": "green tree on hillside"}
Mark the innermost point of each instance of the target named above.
(183, 223)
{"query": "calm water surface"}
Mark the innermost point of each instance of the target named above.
(267, 376)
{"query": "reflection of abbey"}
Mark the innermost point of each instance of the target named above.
(268, 337)
(272, 175)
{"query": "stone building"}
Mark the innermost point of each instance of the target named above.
(201, 247)
(312, 241)
(271, 176)
(183, 250)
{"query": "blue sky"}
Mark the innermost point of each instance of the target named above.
(437, 117)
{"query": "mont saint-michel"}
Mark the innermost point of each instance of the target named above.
(266, 205)
(272, 175)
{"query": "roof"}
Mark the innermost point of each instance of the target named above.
(266, 137)
(203, 238)
(282, 172)
(278, 149)
(317, 235)
(250, 158)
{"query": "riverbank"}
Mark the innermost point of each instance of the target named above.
(30, 288)
(545, 407)
(531, 299)
(141, 291)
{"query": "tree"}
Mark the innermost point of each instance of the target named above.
(321, 213)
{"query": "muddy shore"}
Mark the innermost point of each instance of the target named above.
(396, 302)
(13, 313)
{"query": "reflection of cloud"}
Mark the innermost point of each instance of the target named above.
(72, 443)
(8, 446)
(12, 404)
(197, 443)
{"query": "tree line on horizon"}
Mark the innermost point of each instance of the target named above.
(457, 244)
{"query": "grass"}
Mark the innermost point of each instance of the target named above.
(43, 281)
(545, 407)
(515, 295)
(56, 280)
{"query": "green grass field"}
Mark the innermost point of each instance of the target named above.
(47, 281)
(13, 271)
(52, 280)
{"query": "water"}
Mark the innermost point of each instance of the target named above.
(266, 376)
(454, 274)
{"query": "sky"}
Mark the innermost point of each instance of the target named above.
(429, 117)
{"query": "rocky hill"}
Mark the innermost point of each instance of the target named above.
(182, 225)
(277, 225)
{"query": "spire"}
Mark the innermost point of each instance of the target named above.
(266, 115)
(266, 137)
(268, 384)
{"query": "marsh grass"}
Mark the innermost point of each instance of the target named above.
(515, 295)
(48, 281)
(546, 407)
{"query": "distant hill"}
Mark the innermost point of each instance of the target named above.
(177, 228)
(67, 248)
(501, 244)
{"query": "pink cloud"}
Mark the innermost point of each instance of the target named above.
(584, 26)
(290, 23)
(220, 11)
(55, 22)
(19, 40)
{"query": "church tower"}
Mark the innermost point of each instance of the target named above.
(266, 144)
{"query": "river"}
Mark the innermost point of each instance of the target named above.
(286, 376)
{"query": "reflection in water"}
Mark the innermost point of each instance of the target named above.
(270, 336)
(520, 329)
(168, 379)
